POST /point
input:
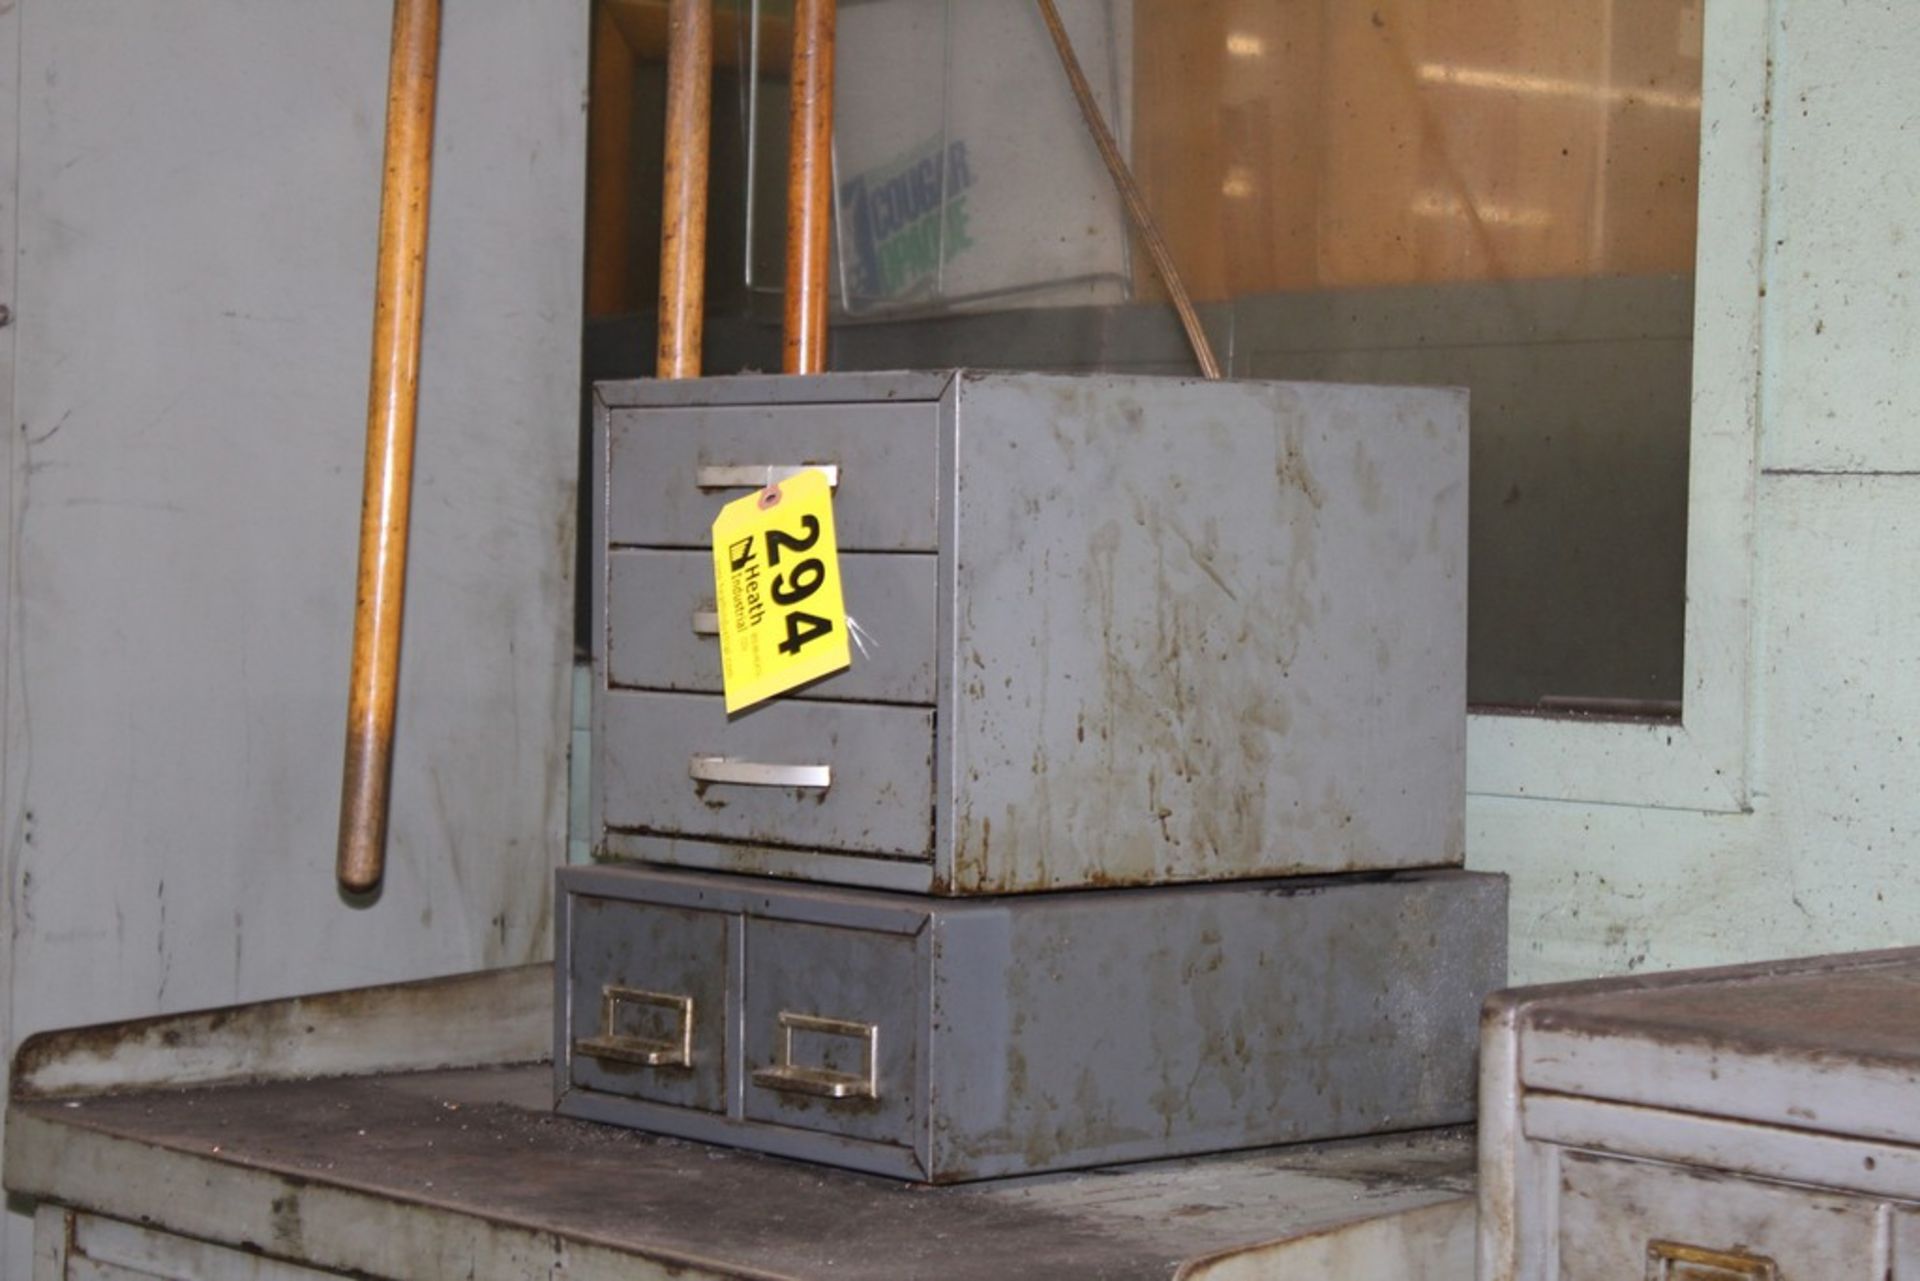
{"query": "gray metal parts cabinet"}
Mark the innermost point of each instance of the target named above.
(946, 1039)
(1125, 631)
(1758, 1123)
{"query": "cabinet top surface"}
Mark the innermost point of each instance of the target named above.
(905, 386)
(761, 389)
(1831, 1010)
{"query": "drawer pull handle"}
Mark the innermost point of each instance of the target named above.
(1672, 1261)
(796, 1078)
(674, 1051)
(759, 475)
(706, 621)
(725, 769)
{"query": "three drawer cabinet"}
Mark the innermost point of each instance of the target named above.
(1757, 1123)
(947, 1039)
(1116, 631)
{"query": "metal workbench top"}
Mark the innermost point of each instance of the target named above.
(464, 1171)
(1822, 1044)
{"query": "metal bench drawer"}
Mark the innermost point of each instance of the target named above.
(673, 469)
(659, 621)
(647, 1002)
(1669, 1223)
(814, 774)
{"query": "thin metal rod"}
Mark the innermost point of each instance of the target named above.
(840, 236)
(683, 200)
(392, 398)
(1130, 194)
(809, 187)
(752, 77)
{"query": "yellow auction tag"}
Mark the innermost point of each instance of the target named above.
(776, 574)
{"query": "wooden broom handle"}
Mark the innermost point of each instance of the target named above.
(683, 197)
(809, 187)
(392, 399)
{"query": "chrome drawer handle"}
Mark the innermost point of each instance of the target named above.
(725, 769)
(706, 621)
(1672, 1261)
(620, 1047)
(796, 1078)
(759, 475)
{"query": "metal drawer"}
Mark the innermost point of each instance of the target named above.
(832, 1029)
(1669, 1223)
(878, 765)
(667, 494)
(648, 1002)
(655, 637)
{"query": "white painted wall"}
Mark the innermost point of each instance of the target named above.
(1804, 610)
(198, 183)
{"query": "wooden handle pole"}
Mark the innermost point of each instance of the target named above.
(392, 397)
(809, 187)
(683, 200)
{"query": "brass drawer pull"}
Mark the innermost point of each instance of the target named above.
(725, 769)
(796, 1078)
(706, 620)
(1672, 1261)
(759, 475)
(674, 1051)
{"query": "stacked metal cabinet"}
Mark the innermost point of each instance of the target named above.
(1133, 830)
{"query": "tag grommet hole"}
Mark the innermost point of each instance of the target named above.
(769, 497)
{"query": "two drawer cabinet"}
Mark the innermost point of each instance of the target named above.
(1759, 1123)
(1114, 631)
(947, 1039)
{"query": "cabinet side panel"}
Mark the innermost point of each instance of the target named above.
(1206, 630)
(1086, 1028)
